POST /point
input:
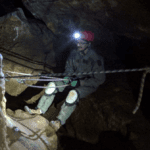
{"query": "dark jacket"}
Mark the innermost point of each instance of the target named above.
(77, 62)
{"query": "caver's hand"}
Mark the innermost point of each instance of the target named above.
(74, 83)
(66, 81)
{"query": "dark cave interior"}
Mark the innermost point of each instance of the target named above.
(130, 53)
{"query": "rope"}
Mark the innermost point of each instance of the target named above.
(51, 78)
(147, 70)
(45, 79)
(141, 91)
(18, 73)
(82, 73)
(46, 86)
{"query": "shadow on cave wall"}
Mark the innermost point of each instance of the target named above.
(136, 54)
(108, 140)
(7, 7)
(62, 47)
(18, 102)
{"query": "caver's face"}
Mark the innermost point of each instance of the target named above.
(82, 45)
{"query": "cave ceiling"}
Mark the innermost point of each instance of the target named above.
(129, 17)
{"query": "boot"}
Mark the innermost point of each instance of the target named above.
(33, 111)
(55, 124)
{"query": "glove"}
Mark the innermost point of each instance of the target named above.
(66, 81)
(74, 83)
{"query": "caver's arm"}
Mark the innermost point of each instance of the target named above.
(90, 85)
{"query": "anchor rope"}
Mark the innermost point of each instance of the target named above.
(146, 69)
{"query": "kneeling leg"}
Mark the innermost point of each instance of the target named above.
(68, 107)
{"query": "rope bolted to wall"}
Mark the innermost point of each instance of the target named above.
(50, 78)
(77, 74)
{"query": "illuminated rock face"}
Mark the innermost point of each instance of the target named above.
(35, 133)
(31, 132)
(24, 131)
(25, 49)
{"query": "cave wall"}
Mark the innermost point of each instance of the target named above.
(36, 37)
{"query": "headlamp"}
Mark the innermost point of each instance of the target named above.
(85, 35)
(77, 35)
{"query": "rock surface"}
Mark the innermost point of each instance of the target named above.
(105, 113)
(123, 18)
(24, 51)
(33, 33)
(35, 132)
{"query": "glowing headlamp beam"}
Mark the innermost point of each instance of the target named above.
(77, 35)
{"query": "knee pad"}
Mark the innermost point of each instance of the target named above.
(72, 98)
(51, 87)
